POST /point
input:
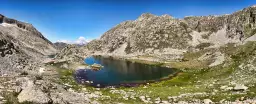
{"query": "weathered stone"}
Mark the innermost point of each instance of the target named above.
(1, 97)
(17, 89)
(240, 87)
(32, 93)
(21, 44)
(208, 101)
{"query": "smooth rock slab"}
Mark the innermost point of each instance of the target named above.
(240, 87)
(33, 94)
(208, 101)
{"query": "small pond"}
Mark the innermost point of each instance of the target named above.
(121, 73)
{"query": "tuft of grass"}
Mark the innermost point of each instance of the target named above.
(188, 64)
(244, 52)
(202, 46)
(249, 30)
(145, 62)
(196, 55)
(11, 97)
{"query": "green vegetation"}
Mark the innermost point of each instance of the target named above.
(203, 82)
(138, 60)
(249, 30)
(202, 46)
(190, 60)
(66, 77)
(196, 55)
(11, 98)
(244, 52)
(187, 64)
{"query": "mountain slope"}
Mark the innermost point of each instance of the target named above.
(60, 45)
(21, 44)
(169, 38)
(150, 32)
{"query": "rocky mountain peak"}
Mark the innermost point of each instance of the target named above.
(152, 34)
(21, 41)
(8, 22)
(20, 24)
(254, 6)
(167, 16)
(146, 16)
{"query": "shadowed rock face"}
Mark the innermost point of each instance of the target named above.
(60, 45)
(6, 48)
(22, 25)
(1, 18)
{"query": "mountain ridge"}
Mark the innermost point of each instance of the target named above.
(21, 41)
(214, 56)
(160, 35)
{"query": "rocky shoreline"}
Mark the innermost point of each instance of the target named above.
(213, 52)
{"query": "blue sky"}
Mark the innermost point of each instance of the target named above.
(71, 19)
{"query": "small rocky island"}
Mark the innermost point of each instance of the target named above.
(96, 66)
(215, 56)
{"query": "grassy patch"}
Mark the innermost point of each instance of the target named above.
(11, 97)
(190, 60)
(196, 55)
(188, 64)
(249, 30)
(196, 77)
(145, 62)
(244, 52)
(202, 46)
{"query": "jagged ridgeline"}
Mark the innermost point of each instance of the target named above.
(19, 43)
(214, 55)
(152, 34)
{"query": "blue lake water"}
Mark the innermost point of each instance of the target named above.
(121, 72)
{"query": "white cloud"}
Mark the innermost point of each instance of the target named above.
(81, 40)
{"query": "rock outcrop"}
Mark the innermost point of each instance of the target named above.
(160, 35)
(32, 93)
(72, 52)
(60, 45)
(21, 45)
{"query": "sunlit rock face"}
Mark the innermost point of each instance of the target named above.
(151, 32)
(26, 34)
(60, 45)
(168, 37)
(21, 45)
(148, 31)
